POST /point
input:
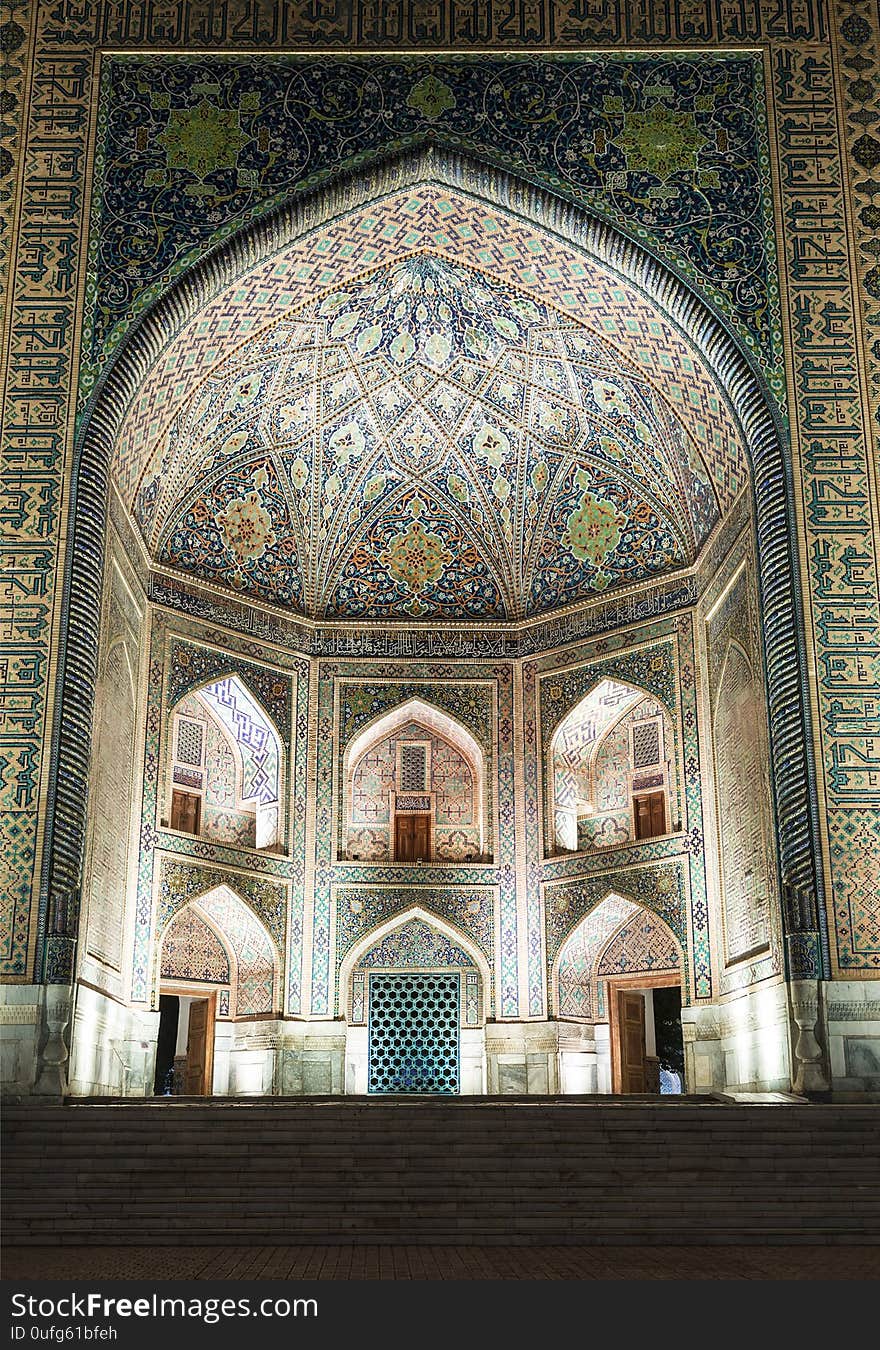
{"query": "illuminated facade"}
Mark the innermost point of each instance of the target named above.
(441, 602)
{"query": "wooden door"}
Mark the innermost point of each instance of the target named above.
(200, 1048)
(412, 837)
(633, 1049)
(186, 812)
(650, 813)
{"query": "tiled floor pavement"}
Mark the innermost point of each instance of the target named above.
(442, 1263)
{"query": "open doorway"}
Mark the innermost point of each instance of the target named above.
(185, 1047)
(647, 1047)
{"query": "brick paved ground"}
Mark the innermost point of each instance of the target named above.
(442, 1263)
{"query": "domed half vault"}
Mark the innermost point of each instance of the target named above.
(456, 417)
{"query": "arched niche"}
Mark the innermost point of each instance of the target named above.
(618, 938)
(612, 770)
(451, 793)
(442, 947)
(253, 984)
(168, 327)
(224, 767)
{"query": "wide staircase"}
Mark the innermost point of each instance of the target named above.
(465, 1170)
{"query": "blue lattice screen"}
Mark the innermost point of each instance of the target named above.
(414, 1033)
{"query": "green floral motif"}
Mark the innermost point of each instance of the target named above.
(202, 139)
(660, 141)
(416, 558)
(247, 528)
(431, 97)
(593, 529)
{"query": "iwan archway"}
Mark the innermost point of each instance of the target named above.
(467, 435)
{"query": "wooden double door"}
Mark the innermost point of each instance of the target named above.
(412, 837)
(650, 813)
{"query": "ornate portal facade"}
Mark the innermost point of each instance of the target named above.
(440, 608)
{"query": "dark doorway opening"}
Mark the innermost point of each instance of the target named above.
(166, 1044)
(669, 1039)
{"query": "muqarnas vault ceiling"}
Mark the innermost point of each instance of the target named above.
(432, 438)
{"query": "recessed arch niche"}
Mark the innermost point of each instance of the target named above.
(175, 337)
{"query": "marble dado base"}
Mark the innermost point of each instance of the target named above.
(741, 1045)
(752, 1042)
(851, 1018)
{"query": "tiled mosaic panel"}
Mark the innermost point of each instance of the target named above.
(857, 25)
(256, 959)
(191, 950)
(178, 666)
(290, 473)
(240, 24)
(576, 738)
(414, 1033)
(481, 698)
(616, 938)
(576, 977)
(232, 900)
(472, 205)
(414, 944)
(643, 944)
(659, 659)
(470, 910)
(599, 773)
(222, 821)
(671, 149)
(256, 738)
(835, 483)
(661, 889)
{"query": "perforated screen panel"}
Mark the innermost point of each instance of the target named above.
(414, 1033)
(413, 768)
(190, 742)
(646, 744)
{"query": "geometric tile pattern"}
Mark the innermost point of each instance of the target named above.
(643, 944)
(191, 950)
(657, 889)
(577, 963)
(257, 968)
(456, 826)
(413, 1033)
(414, 944)
(256, 959)
(256, 738)
(469, 910)
(425, 442)
(660, 659)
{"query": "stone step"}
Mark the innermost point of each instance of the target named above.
(356, 1170)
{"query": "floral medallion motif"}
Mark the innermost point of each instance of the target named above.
(201, 140)
(661, 142)
(593, 529)
(416, 558)
(247, 528)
